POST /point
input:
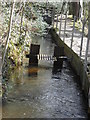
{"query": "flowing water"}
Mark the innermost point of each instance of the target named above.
(37, 92)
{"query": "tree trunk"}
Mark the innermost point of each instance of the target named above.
(81, 8)
(9, 31)
(76, 9)
(23, 6)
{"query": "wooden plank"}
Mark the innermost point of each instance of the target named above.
(58, 51)
(34, 50)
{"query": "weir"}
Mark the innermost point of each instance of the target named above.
(34, 56)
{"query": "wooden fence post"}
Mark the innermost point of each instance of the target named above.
(9, 31)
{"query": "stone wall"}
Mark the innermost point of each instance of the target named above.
(76, 62)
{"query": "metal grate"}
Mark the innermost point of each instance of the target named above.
(50, 57)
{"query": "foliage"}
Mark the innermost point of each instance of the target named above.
(32, 23)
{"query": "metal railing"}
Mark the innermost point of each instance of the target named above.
(75, 35)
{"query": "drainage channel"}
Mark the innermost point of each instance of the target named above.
(38, 92)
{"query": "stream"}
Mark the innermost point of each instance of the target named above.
(37, 92)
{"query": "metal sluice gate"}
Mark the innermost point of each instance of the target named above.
(57, 57)
(48, 57)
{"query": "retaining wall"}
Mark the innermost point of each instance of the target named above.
(76, 63)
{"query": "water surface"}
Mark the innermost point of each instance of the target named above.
(37, 92)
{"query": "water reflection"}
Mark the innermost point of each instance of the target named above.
(32, 71)
(57, 66)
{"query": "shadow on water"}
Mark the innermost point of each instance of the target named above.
(44, 91)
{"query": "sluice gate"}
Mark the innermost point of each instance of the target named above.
(58, 56)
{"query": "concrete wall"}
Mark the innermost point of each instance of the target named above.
(75, 62)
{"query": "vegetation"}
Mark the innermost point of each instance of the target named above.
(25, 23)
(19, 23)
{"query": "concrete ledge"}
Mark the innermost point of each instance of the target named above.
(76, 63)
